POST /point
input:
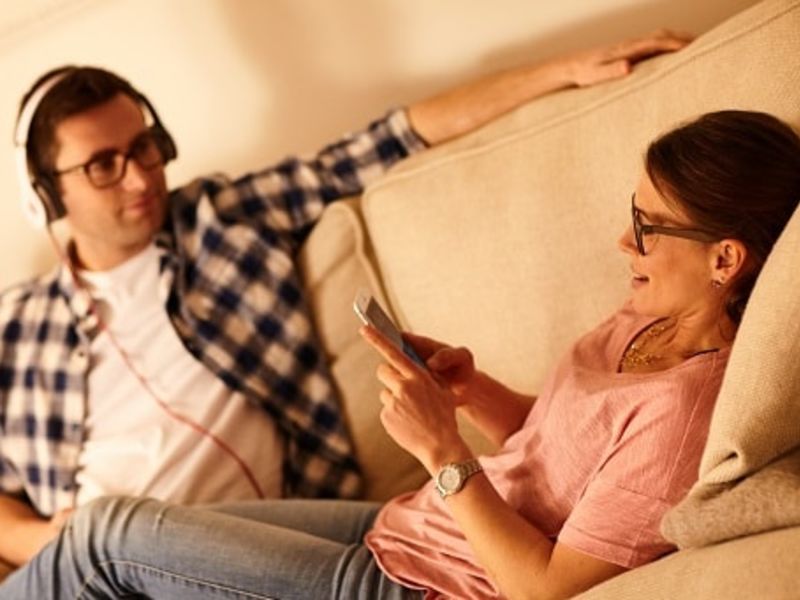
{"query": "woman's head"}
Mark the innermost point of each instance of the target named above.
(733, 176)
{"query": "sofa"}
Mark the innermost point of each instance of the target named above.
(505, 241)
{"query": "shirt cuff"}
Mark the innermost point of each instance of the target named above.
(400, 126)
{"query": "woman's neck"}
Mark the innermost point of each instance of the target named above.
(692, 334)
(670, 341)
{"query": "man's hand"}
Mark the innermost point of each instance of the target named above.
(25, 533)
(46, 531)
(596, 65)
(469, 106)
(58, 520)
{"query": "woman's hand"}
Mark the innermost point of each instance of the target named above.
(589, 67)
(418, 411)
(452, 367)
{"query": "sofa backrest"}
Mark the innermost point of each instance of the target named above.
(505, 240)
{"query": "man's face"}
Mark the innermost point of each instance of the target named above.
(111, 224)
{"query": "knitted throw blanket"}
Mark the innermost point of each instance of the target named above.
(750, 472)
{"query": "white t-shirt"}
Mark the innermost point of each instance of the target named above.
(133, 446)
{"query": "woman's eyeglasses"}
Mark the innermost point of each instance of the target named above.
(640, 230)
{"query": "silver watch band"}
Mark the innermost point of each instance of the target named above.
(451, 477)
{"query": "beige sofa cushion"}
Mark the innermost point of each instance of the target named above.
(756, 420)
(335, 263)
(505, 240)
(753, 568)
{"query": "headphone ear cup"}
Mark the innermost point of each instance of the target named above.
(34, 209)
(33, 206)
(50, 198)
(167, 146)
(165, 143)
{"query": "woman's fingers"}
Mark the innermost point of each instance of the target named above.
(389, 377)
(391, 353)
(424, 346)
(450, 357)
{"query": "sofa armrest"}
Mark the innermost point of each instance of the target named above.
(756, 566)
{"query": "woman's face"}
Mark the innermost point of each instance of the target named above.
(674, 276)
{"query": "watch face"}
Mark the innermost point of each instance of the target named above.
(450, 479)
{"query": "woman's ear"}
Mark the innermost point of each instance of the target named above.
(727, 261)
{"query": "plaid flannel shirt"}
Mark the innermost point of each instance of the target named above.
(234, 299)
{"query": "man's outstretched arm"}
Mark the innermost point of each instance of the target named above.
(467, 107)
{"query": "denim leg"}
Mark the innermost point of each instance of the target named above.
(118, 547)
(343, 521)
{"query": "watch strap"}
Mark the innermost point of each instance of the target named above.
(466, 469)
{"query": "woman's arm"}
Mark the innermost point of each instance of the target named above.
(419, 413)
(519, 558)
(469, 106)
(496, 410)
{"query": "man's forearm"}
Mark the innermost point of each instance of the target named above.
(24, 533)
(467, 107)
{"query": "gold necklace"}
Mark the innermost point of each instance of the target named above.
(635, 355)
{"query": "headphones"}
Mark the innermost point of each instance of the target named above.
(41, 200)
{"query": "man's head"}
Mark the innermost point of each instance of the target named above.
(94, 158)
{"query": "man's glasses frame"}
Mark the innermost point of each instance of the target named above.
(108, 168)
(641, 229)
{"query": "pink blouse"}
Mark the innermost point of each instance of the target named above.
(600, 458)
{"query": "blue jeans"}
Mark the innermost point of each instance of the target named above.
(282, 549)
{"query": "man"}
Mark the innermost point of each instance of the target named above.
(171, 354)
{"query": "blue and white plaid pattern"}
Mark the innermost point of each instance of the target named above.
(234, 299)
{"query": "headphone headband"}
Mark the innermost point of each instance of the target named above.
(29, 110)
(34, 207)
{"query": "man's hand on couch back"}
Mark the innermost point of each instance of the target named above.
(605, 63)
(467, 107)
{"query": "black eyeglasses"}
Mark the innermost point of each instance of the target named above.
(108, 168)
(640, 230)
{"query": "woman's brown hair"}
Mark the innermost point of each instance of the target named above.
(735, 174)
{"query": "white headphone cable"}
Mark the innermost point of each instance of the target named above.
(203, 431)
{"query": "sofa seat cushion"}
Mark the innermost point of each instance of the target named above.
(758, 566)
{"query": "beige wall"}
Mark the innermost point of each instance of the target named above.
(240, 83)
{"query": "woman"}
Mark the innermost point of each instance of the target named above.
(585, 471)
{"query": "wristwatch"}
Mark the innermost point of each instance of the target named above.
(452, 476)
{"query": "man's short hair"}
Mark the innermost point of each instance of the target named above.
(80, 89)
